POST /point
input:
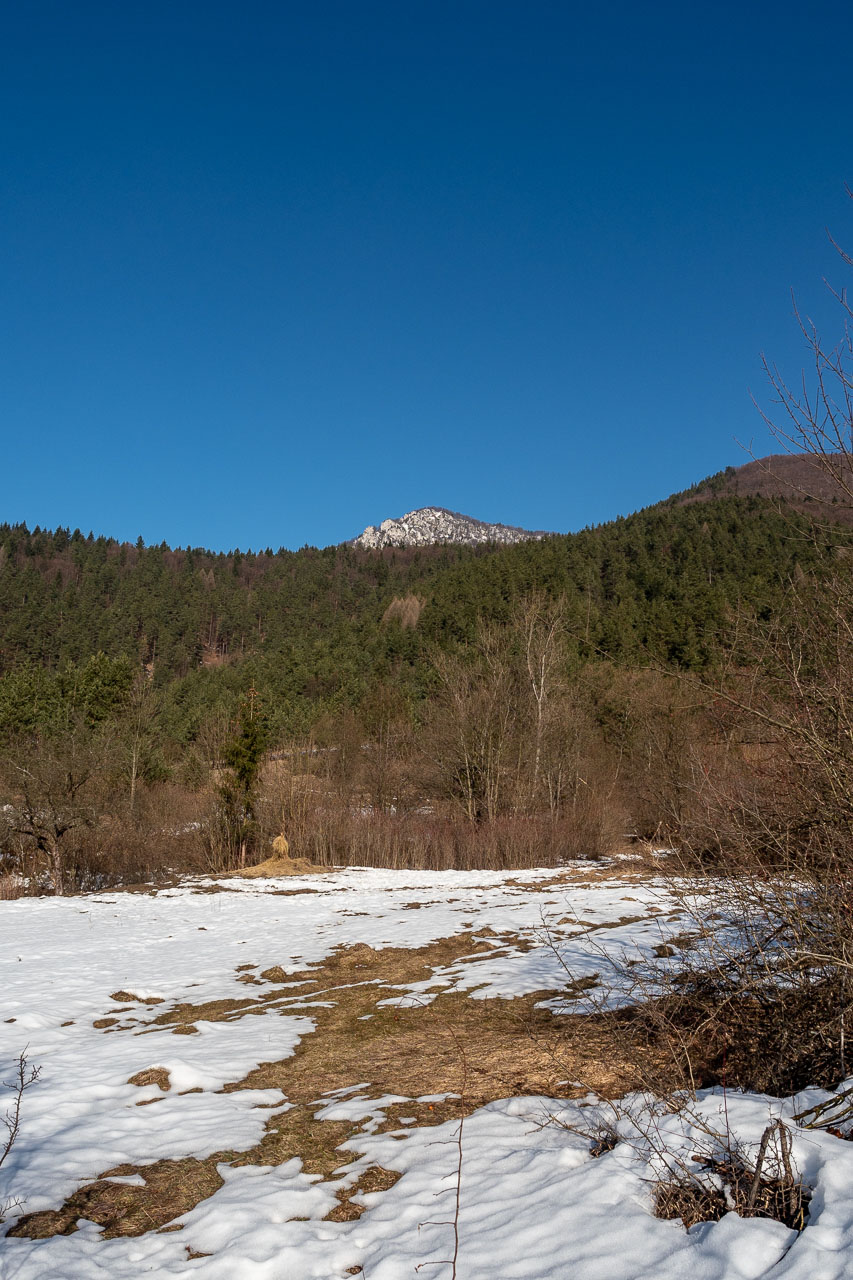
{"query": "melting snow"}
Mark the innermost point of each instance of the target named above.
(534, 1204)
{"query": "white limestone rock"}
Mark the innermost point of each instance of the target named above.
(430, 525)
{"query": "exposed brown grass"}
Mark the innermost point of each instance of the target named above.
(334, 835)
(172, 1187)
(127, 997)
(500, 1047)
(12, 886)
(153, 1075)
(373, 1179)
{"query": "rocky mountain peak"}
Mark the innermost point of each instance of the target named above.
(429, 525)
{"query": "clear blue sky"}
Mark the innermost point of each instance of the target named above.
(272, 271)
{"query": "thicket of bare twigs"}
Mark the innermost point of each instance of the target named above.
(770, 995)
(23, 1077)
(65, 826)
(757, 992)
(519, 758)
(764, 996)
(773, 990)
(699, 1170)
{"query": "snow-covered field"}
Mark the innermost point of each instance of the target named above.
(532, 1201)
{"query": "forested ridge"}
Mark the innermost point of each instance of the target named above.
(309, 623)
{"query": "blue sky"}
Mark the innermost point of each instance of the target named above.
(270, 272)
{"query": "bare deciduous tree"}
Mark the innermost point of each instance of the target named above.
(770, 982)
(51, 783)
(471, 723)
(541, 623)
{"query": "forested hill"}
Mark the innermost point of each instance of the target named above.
(64, 596)
(320, 624)
(816, 485)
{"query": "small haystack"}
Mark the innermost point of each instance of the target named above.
(281, 863)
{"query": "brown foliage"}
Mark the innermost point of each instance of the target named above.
(406, 610)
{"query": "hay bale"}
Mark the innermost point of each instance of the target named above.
(274, 867)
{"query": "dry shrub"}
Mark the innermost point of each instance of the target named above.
(752, 772)
(661, 743)
(164, 840)
(698, 1168)
(771, 827)
(12, 886)
(777, 830)
(23, 1077)
(726, 1179)
(754, 992)
(109, 849)
(485, 782)
(327, 831)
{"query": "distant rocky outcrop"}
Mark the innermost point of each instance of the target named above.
(430, 525)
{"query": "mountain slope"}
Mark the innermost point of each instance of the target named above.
(820, 487)
(318, 630)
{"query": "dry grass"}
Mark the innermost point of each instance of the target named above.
(12, 886)
(509, 1048)
(280, 866)
(333, 832)
(373, 1179)
(153, 1075)
(127, 997)
(172, 1187)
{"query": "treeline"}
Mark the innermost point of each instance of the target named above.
(661, 579)
(522, 755)
(446, 706)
